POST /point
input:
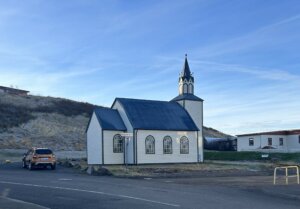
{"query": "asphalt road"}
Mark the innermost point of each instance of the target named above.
(67, 188)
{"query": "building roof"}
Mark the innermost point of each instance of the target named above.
(157, 115)
(186, 72)
(187, 97)
(283, 132)
(110, 119)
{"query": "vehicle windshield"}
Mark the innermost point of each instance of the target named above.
(43, 151)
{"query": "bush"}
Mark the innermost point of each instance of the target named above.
(11, 116)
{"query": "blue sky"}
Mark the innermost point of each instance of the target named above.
(244, 54)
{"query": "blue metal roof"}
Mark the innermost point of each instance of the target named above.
(187, 97)
(110, 119)
(157, 115)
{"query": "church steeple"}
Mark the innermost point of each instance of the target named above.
(186, 79)
(186, 68)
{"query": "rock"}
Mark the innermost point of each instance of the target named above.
(90, 170)
(98, 171)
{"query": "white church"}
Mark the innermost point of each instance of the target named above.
(135, 131)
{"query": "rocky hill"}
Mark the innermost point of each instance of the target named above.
(213, 133)
(60, 124)
(27, 121)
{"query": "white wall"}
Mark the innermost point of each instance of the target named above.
(159, 157)
(123, 115)
(261, 141)
(200, 144)
(94, 142)
(243, 143)
(195, 110)
(293, 143)
(290, 143)
(275, 141)
(109, 156)
(129, 152)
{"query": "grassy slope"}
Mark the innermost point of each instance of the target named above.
(210, 132)
(17, 111)
(250, 156)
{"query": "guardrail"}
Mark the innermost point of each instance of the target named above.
(286, 168)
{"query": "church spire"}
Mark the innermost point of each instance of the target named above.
(186, 69)
(186, 79)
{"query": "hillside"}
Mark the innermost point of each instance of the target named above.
(27, 121)
(213, 133)
(60, 124)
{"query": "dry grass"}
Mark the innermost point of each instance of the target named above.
(171, 170)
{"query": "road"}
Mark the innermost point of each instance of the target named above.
(67, 188)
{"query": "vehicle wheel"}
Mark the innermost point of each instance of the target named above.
(30, 166)
(53, 167)
(24, 164)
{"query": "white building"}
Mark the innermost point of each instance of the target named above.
(135, 131)
(278, 141)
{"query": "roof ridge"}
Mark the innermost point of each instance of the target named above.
(150, 100)
(279, 132)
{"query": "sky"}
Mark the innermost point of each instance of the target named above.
(244, 55)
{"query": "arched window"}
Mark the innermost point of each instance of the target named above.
(185, 88)
(150, 145)
(184, 145)
(191, 88)
(167, 144)
(118, 144)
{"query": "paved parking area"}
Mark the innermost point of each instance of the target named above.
(68, 188)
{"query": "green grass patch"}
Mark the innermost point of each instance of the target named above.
(250, 156)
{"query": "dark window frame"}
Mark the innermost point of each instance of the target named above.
(150, 150)
(167, 150)
(281, 142)
(120, 146)
(251, 142)
(270, 141)
(184, 150)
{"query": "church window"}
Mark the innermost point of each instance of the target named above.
(191, 90)
(184, 145)
(150, 145)
(167, 144)
(118, 144)
(185, 88)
